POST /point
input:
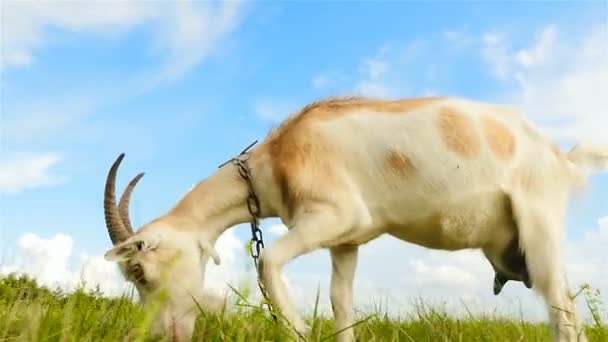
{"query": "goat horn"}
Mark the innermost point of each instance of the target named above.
(114, 224)
(123, 205)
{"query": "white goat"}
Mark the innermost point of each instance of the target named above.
(443, 173)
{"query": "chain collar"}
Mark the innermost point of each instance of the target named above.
(256, 244)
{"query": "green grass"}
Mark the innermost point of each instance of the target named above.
(29, 312)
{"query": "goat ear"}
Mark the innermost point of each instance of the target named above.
(128, 249)
(207, 247)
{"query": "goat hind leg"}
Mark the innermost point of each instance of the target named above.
(551, 285)
(541, 238)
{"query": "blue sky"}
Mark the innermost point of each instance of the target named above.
(181, 88)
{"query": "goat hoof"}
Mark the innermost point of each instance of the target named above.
(302, 330)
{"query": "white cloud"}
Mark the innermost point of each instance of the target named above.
(184, 34)
(443, 275)
(508, 63)
(233, 266)
(389, 271)
(397, 273)
(25, 24)
(97, 272)
(48, 260)
(375, 70)
(495, 51)
(587, 260)
(273, 111)
(559, 81)
(186, 31)
(389, 72)
(539, 53)
(51, 262)
(191, 30)
(278, 229)
(28, 172)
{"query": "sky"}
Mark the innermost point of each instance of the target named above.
(181, 87)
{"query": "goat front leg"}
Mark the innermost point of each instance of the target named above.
(344, 263)
(318, 228)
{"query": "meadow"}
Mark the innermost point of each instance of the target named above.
(29, 312)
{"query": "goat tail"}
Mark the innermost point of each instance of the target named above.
(594, 158)
(583, 159)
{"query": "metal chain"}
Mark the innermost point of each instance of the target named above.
(253, 205)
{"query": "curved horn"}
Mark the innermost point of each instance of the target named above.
(125, 199)
(116, 228)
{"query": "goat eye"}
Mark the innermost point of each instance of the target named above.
(140, 245)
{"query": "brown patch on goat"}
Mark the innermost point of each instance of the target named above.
(298, 172)
(288, 158)
(499, 137)
(400, 163)
(333, 107)
(293, 147)
(458, 132)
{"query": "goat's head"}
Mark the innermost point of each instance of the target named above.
(164, 262)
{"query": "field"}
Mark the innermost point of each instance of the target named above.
(32, 313)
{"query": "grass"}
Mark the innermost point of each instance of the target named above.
(29, 312)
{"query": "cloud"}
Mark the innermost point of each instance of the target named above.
(234, 263)
(586, 258)
(389, 271)
(374, 71)
(559, 81)
(441, 275)
(278, 229)
(20, 174)
(51, 261)
(495, 52)
(185, 32)
(191, 31)
(508, 63)
(372, 76)
(25, 24)
(397, 273)
(394, 70)
(273, 111)
(48, 260)
(557, 78)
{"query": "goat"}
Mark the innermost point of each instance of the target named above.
(440, 172)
